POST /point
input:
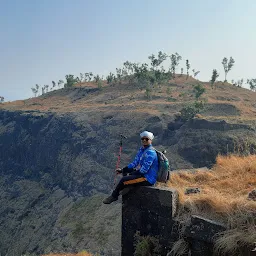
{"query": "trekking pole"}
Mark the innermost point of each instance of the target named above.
(119, 155)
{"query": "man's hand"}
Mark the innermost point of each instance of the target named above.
(119, 171)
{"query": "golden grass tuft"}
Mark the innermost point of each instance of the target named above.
(223, 198)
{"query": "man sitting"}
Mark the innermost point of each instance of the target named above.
(141, 172)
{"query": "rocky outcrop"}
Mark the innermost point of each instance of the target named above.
(199, 141)
(151, 226)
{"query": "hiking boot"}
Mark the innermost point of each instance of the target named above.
(110, 199)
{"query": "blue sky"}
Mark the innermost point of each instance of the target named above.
(43, 40)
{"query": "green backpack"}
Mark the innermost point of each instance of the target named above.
(163, 173)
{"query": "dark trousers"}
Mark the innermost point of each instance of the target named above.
(134, 179)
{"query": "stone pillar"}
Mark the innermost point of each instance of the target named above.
(149, 210)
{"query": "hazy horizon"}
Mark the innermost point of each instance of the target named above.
(44, 41)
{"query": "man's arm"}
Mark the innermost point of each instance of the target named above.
(135, 161)
(148, 160)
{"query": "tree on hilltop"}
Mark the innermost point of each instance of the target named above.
(252, 83)
(60, 83)
(36, 89)
(70, 81)
(119, 75)
(227, 65)
(175, 59)
(46, 87)
(1, 99)
(215, 75)
(157, 72)
(188, 67)
(141, 74)
(157, 61)
(110, 78)
(128, 66)
(81, 78)
(88, 76)
(98, 81)
(53, 85)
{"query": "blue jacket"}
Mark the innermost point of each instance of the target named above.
(146, 164)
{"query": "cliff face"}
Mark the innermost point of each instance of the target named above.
(52, 182)
(56, 168)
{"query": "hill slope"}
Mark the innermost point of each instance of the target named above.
(58, 152)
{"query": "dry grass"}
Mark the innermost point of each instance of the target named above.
(181, 89)
(224, 189)
(223, 198)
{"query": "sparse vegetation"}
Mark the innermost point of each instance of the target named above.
(143, 75)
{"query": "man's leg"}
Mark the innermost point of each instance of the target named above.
(127, 181)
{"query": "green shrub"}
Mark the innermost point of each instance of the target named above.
(171, 99)
(188, 112)
(148, 93)
(198, 90)
(146, 245)
(70, 81)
